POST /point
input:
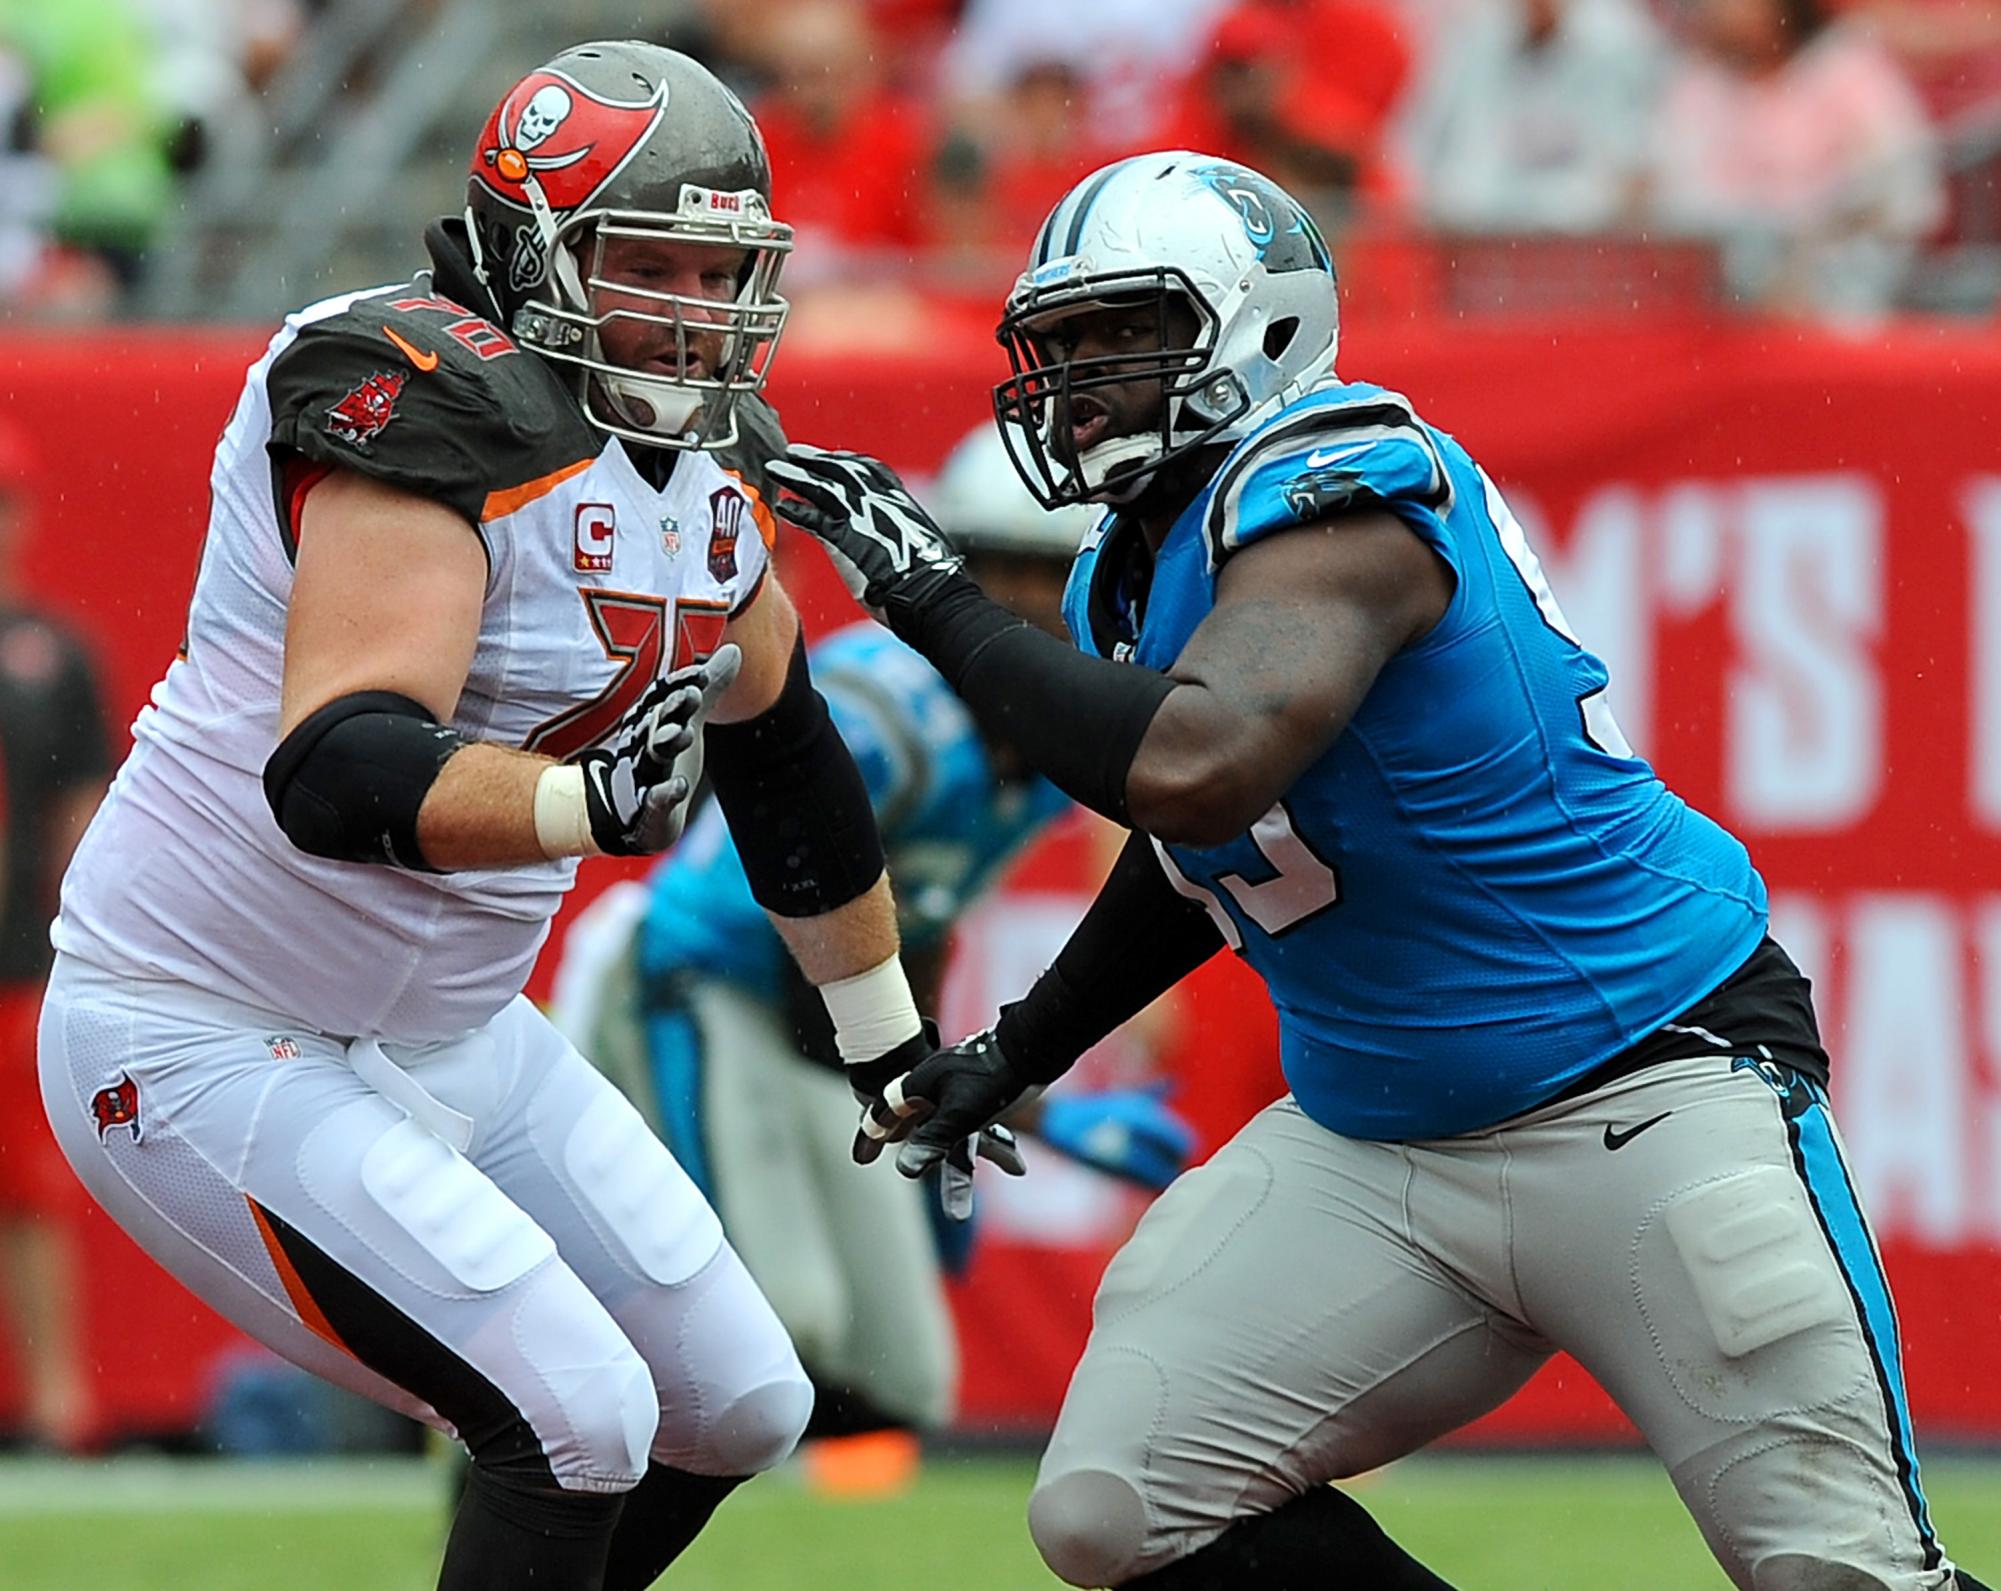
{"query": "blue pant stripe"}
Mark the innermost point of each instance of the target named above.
(674, 1049)
(1828, 1186)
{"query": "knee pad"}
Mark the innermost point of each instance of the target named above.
(1796, 1572)
(761, 1428)
(1089, 1525)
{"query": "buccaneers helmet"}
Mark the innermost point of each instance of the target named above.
(1243, 257)
(629, 140)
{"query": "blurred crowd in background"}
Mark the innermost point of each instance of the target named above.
(1817, 151)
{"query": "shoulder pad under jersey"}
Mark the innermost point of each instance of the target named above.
(423, 394)
(1340, 449)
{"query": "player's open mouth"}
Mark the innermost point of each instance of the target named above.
(674, 369)
(1089, 421)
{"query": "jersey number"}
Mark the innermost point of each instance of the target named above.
(476, 336)
(1302, 885)
(1600, 727)
(632, 629)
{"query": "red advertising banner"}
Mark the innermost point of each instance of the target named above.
(1786, 545)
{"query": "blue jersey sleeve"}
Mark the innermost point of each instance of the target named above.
(877, 691)
(1341, 450)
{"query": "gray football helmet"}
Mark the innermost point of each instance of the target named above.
(628, 139)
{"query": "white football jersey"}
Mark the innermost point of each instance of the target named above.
(597, 583)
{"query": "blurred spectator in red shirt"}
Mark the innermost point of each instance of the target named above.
(1002, 172)
(742, 41)
(1302, 90)
(1802, 147)
(850, 156)
(1535, 115)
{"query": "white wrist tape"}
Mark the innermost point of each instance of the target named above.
(873, 1011)
(562, 815)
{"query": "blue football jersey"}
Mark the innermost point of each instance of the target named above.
(1478, 892)
(948, 824)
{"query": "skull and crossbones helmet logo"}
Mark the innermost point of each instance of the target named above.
(547, 109)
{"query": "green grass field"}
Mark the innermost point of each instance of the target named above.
(1487, 1524)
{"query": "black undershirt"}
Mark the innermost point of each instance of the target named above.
(1764, 1008)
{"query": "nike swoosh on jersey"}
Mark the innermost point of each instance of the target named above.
(416, 355)
(1327, 455)
(1614, 1139)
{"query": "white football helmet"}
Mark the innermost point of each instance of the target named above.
(982, 506)
(1239, 251)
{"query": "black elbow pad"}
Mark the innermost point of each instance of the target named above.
(346, 783)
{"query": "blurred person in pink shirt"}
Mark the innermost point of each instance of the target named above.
(1126, 52)
(1951, 48)
(1801, 146)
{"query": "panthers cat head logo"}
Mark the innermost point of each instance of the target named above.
(1285, 236)
(1318, 493)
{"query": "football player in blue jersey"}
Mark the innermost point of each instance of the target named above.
(1553, 1086)
(684, 994)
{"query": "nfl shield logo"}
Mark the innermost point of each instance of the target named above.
(670, 535)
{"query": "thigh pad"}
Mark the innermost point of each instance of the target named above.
(448, 1206)
(1755, 1257)
(639, 1191)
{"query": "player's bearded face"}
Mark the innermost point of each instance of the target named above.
(654, 292)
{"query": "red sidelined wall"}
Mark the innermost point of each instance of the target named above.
(1786, 545)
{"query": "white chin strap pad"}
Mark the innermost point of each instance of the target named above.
(1096, 466)
(665, 408)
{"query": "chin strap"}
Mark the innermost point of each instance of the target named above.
(672, 408)
(1095, 466)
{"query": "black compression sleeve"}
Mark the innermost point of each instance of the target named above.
(796, 803)
(1137, 941)
(1077, 720)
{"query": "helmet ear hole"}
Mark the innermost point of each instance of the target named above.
(1279, 335)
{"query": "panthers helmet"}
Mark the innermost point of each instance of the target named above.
(1231, 245)
(981, 504)
(627, 139)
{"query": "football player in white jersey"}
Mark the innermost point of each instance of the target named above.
(473, 583)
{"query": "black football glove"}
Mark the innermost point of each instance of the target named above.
(869, 1078)
(888, 550)
(637, 784)
(876, 1081)
(947, 1098)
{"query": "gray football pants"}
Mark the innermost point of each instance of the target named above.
(1306, 1307)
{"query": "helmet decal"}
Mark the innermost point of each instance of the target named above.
(528, 259)
(555, 141)
(1283, 234)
